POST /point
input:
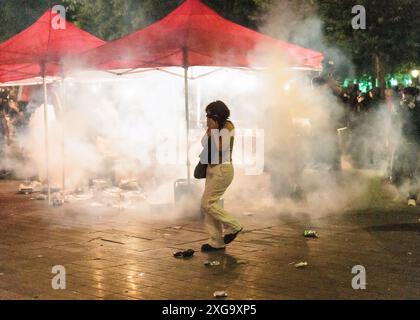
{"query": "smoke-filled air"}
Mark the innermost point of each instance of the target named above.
(293, 153)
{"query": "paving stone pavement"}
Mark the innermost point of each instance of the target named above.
(123, 254)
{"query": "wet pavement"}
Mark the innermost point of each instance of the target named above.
(111, 253)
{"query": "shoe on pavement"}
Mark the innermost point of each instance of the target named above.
(412, 203)
(230, 237)
(208, 248)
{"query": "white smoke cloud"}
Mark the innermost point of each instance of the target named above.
(135, 128)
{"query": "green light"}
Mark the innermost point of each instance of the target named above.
(363, 86)
(407, 82)
(346, 83)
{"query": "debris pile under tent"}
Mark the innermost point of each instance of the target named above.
(99, 193)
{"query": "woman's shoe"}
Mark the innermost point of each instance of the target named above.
(208, 248)
(230, 237)
(412, 203)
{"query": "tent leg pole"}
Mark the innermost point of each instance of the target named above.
(63, 161)
(61, 102)
(63, 146)
(198, 102)
(187, 120)
(46, 140)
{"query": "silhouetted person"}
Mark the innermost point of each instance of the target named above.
(405, 168)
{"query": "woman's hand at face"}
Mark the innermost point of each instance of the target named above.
(212, 124)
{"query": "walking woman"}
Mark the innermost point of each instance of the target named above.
(219, 141)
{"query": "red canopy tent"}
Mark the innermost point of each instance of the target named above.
(42, 47)
(195, 35)
(40, 51)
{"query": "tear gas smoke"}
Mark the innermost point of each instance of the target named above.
(120, 129)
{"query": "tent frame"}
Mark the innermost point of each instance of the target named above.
(47, 147)
(186, 67)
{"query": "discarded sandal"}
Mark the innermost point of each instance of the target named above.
(184, 254)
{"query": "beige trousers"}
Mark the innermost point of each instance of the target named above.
(217, 219)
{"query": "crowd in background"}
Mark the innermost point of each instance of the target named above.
(365, 131)
(378, 122)
(14, 118)
(384, 129)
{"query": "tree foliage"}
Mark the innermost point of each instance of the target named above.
(392, 33)
(16, 15)
(111, 19)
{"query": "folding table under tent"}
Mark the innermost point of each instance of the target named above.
(193, 35)
(38, 55)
